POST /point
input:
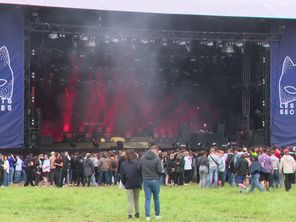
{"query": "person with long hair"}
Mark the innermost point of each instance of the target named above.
(131, 179)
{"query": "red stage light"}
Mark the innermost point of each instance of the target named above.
(66, 128)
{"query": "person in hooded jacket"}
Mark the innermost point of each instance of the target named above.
(88, 169)
(255, 174)
(131, 179)
(151, 169)
(288, 168)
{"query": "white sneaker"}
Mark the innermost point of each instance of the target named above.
(148, 219)
(158, 217)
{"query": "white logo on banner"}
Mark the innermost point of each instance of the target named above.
(287, 91)
(6, 80)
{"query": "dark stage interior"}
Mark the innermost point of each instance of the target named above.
(168, 79)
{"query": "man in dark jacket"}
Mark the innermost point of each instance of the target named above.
(131, 179)
(88, 169)
(151, 169)
(242, 169)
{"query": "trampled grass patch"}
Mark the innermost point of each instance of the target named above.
(186, 203)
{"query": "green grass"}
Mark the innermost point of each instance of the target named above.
(187, 203)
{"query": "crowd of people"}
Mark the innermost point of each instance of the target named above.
(244, 168)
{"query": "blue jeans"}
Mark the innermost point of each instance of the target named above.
(11, 174)
(213, 172)
(275, 179)
(152, 187)
(255, 183)
(17, 177)
(5, 178)
(106, 176)
(24, 176)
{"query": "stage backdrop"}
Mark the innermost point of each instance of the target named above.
(283, 90)
(11, 78)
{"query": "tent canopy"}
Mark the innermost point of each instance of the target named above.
(237, 8)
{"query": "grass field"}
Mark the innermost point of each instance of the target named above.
(187, 203)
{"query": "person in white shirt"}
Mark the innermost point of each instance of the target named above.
(6, 172)
(18, 169)
(288, 167)
(221, 167)
(45, 169)
(187, 167)
(213, 167)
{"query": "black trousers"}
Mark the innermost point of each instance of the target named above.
(221, 177)
(289, 177)
(86, 180)
(30, 177)
(187, 176)
(1, 177)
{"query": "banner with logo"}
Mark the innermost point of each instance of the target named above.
(11, 78)
(283, 90)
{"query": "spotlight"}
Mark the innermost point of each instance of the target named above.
(210, 43)
(228, 49)
(53, 35)
(239, 44)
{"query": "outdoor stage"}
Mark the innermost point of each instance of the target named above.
(170, 79)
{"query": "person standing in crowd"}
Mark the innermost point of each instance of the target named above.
(94, 178)
(265, 171)
(221, 167)
(18, 169)
(45, 170)
(88, 169)
(163, 163)
(58, 163)
(229, 169)
(255, 174)
(179, 174)
(151, 169)
(66, 168)
(78, 168)
(213, 168)
(170, 168)
(11, 161)
(52, 173)
(6, 168)
(203, 166)
(288, 168)
(38, 169)
(187, 167)
(113, 169)
(29, 164)
(1, 169)
(104, 164)
(242, 169)
(131, 179)
(275, 177)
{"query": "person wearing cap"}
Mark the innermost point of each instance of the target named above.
(151, 169)
(288, 168)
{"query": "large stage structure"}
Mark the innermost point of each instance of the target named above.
(71, 58)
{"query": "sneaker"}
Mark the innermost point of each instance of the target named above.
(158, 217)
(148, 219)
(137, 215)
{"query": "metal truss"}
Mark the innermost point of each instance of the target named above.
(154, 34)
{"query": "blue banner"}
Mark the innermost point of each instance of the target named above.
(11, 78)
(283, 90)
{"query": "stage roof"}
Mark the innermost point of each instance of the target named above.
(237, 8)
